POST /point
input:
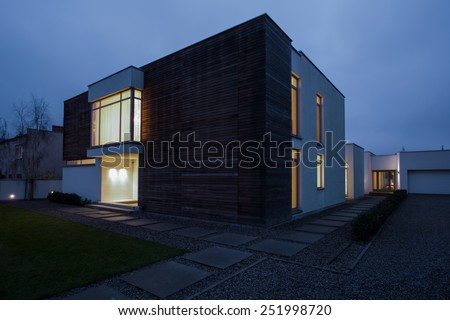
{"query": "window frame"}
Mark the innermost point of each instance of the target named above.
(295, 112)
(295, 178)
(319, 119)
(320, 171)
(97, 107)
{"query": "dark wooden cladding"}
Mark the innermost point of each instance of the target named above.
(233, 86)
(77, 127)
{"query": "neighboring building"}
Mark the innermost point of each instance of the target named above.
(230, 90)
(34, 155)
(425, 172)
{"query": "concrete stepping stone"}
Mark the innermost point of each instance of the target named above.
(329, 223)
(218, 257)
(102, 292)
(163, 226)
(166, 278)
(78, 210)
(231, 239)
(338, 218)
(282, 248)
(99, 215)
(316, 228)
(194, 232)
(119, 218)
(353, 210)
(139, 222)
(300, 236)
(345, 214)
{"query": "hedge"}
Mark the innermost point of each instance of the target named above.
(368, 223)
(66, 198)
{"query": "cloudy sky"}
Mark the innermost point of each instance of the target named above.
(391, 58)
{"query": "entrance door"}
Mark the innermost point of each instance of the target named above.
(383, 180)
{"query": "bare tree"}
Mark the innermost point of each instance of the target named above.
(33, 114)
(3, 129)
(32, 118)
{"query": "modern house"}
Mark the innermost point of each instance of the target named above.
(233, 128)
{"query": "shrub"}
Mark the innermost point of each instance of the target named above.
(66, 198)
(367, 224)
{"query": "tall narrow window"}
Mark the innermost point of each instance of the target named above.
(295, 157)
(319, 116)
(294, 101)
(320, 171)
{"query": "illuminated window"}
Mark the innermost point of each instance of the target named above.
(294, 100)
(117, 118)
(295, 157)
(320, 171)
(319, 116)
(19, 151)
(80, 162)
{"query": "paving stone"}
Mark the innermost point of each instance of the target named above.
(282, 248)
(300, 236)
(119, 218)
(232, 239)
(139, 222)
(166, 278)
(163, 226)
(99, 215)
(194, 232)
(218, 257)
(353, 210)
(316, 228)
(329, 223)
(338, 218)
(345, 214)
(102, 292)
(77, 210)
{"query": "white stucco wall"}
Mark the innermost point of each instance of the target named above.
(421, 160)
(354, 156)
(12, 187)
(313, 82)
(367, 172)
(43, 187)
(84, 180)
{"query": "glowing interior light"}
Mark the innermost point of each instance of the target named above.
(123, 174)
(12, 196)
(113, 174)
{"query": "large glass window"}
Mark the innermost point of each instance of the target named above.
(294, 101)
(117, 118)
(320, 171)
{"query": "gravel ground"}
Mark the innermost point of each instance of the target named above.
(409, 260)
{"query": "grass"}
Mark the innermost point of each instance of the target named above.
(41, 256)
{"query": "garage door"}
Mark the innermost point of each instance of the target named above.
(433, 182)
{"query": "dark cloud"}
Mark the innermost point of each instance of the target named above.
(390, 58)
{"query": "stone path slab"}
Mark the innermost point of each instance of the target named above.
(100, 215)
(345, 214)
(102, 292)
(231, 239)
(329, 223)
(119, 218)
(300, 236)
(338, 218)
(77, 210)
(316, 228)
(139, 222)
(194, 232)
(218, 257)
(282, 248)
(166, 278)
(163, 226)
(353, 210)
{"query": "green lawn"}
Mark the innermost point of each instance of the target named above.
(41, 256)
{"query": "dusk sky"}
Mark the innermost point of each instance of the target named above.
(391, 59)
